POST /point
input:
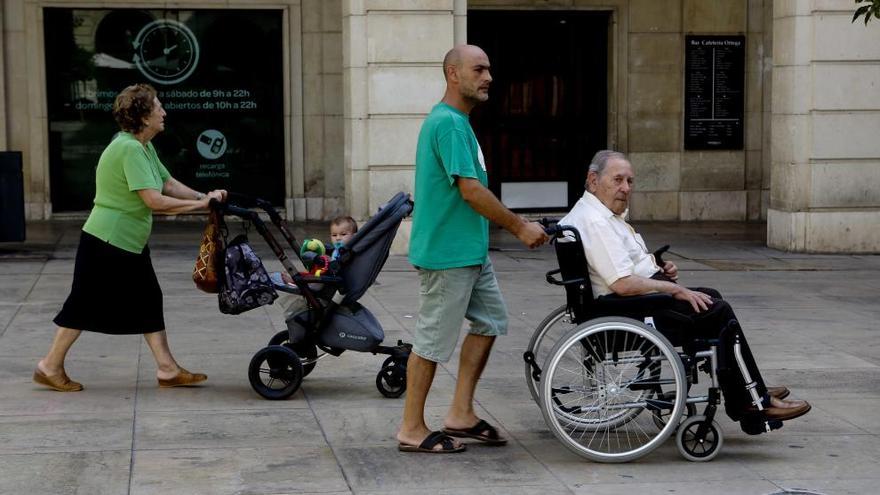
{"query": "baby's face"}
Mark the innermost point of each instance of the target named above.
(340, 234)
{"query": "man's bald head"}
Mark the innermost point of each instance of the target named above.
(459, 54)
(466, 70)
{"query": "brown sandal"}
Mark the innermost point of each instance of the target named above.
(183, 379)
(61, 383)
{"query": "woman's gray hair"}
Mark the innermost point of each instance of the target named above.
(600, 160)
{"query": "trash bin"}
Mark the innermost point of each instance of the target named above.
(11, 197)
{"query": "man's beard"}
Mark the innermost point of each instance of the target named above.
(475, 96)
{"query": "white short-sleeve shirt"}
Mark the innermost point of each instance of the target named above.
(614, 250)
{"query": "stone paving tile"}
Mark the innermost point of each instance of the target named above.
(17, 286)
(836, 457)
(264, 470)
(20, 267)
(109, 387)
(738, 487)
(192, 429)
(33, 339)
(831, 486)
(477, 490)
(7, 311)
(44, 433)
(664, 465)
(859, 412)
(66, 473)
(375, 468)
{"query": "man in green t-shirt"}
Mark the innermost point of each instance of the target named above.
(449, 245)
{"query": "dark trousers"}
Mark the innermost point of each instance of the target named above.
(683, 327)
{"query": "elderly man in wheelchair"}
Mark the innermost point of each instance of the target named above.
(625, 319)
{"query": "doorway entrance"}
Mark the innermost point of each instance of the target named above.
(547, 112)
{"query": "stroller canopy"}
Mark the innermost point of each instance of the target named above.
(363, 256)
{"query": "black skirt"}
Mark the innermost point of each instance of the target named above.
(114, 291)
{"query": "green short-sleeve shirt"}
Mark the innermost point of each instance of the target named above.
(446, 231)
(120, 216)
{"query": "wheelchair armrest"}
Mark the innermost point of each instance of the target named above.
(644, 302)
(553, 280)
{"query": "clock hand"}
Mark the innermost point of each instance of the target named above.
(166, 51)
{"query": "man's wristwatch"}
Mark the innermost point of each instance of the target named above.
(200, 196)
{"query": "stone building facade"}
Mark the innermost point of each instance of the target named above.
(359, 76)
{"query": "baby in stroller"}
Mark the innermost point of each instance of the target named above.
(327, 319)
(342, 228)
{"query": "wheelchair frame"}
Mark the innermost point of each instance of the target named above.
(595, 407)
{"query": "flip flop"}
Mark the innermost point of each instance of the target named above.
(431, 441)
(481, 431)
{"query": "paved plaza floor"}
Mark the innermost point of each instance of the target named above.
(812, 321)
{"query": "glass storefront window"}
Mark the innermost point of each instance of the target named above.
(219, 77)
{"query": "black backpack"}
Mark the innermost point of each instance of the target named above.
(246, 284)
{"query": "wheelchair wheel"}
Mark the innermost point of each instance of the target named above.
(699, 446)
(275, 372)
(308, 352)
(597, 381)
(554, 326)
(391, 380)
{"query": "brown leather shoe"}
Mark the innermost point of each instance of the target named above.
(61, 383)
(183, 379)
(778, 392)
(792, 409)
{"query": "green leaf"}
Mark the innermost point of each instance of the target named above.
(861, 10)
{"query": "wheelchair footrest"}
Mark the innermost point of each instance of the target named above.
(755, 424)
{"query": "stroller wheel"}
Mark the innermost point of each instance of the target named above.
(391, 380)
(307, 351)
(275, 372)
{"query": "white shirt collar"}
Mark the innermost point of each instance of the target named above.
(595, 203)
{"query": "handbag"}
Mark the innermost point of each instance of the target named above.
(209, 263)
(246, 284)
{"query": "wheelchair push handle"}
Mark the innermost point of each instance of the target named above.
(550, 225)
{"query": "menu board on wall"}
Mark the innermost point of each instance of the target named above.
(714, 92)
(218, 74)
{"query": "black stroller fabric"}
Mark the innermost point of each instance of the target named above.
(363, 256)
(246, 285)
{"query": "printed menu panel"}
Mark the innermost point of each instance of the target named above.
(714, 92)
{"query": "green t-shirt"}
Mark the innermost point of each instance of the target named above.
(120, 216)
(446, 231)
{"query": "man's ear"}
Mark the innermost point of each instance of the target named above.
(592, 179)
(451, 73)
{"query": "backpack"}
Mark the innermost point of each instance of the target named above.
(246, 284)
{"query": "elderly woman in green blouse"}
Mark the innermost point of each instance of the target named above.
(115, 290)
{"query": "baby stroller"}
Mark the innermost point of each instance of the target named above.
(332, 321)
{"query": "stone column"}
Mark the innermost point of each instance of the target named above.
(392, 76)
(825, 152)
(2, 84)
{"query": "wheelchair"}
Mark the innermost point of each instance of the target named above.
(611, 387)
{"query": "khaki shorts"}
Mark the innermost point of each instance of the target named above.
(449, 296)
